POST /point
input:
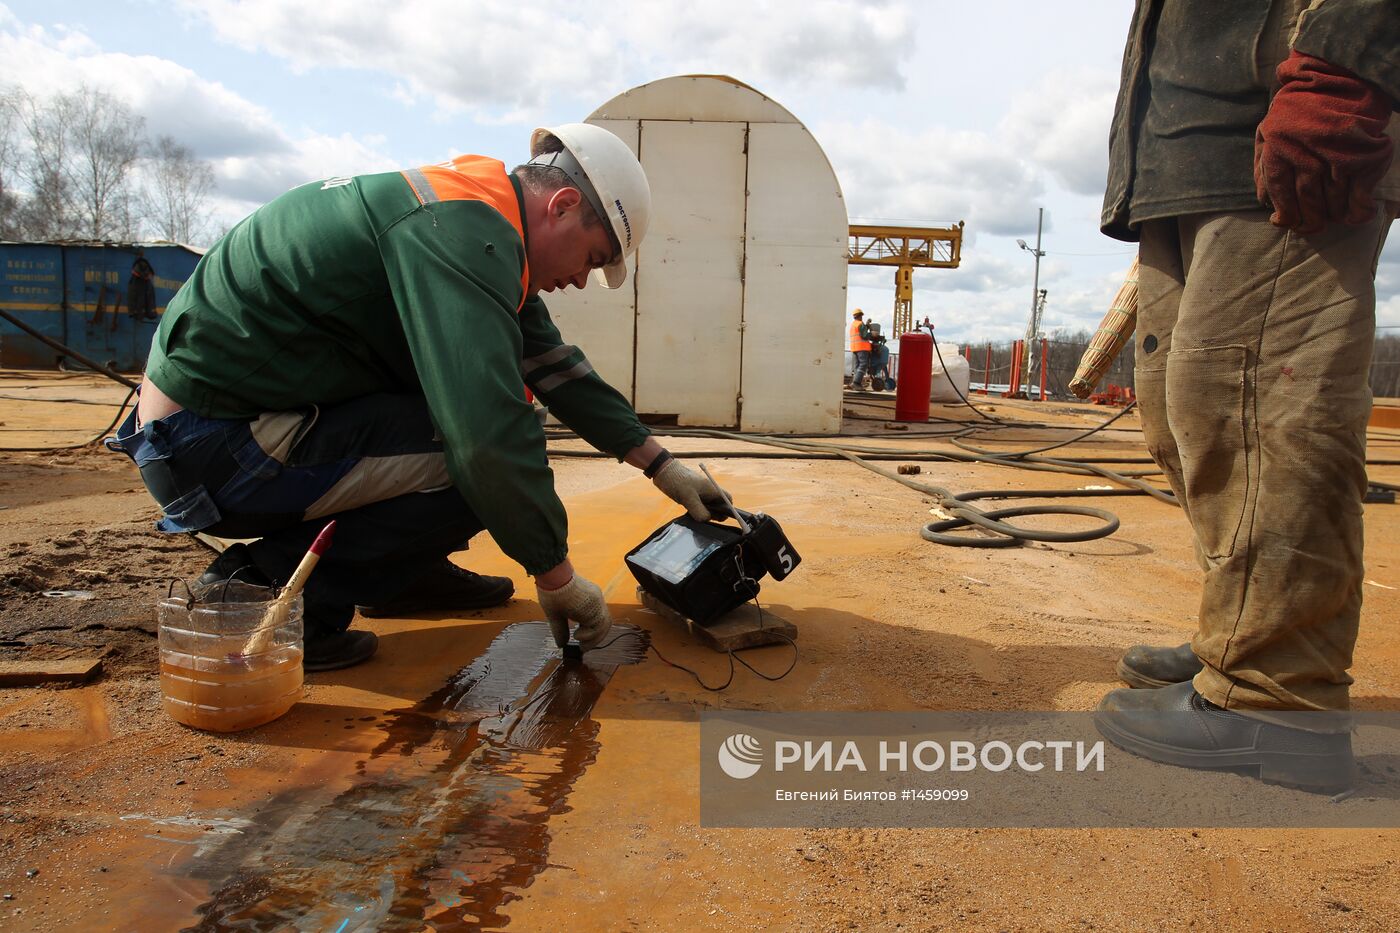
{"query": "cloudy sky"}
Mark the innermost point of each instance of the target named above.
(931, 112)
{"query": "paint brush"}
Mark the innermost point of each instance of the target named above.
(276, 615)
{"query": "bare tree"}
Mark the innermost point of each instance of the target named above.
(80, 150)
(176, 192)
(47, 211)
(11, 126)
(107, 142)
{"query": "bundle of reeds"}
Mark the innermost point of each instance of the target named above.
(1114, 330)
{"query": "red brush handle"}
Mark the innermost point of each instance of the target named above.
(323, 540)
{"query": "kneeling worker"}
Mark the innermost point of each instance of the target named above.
(359, 348)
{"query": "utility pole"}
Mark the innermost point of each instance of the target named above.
(1035, 299)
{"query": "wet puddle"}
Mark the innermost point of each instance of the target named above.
(448, 818)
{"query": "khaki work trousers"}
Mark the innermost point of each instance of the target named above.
(1253, 355)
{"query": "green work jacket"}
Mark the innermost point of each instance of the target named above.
(369, 284)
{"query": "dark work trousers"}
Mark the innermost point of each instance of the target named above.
(1253, 354)
(862, 368)
(373, 464)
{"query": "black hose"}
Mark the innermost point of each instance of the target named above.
(1011, 455)
(1011, 535)
(68, 351)
(1047, 493)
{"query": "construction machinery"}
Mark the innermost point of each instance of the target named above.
(905, 248)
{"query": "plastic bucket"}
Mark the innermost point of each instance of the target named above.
(223, 666)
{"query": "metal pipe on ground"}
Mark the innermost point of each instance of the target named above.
(69, 351)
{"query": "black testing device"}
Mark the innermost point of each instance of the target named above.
(704, 569)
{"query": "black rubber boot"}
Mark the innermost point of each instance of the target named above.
(326, 645)
(444, 588)
(1178, 726)
(1149, 667)
(235, 563)
(333, 651)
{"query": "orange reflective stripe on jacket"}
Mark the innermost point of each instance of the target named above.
(473, 178)
(856, 342)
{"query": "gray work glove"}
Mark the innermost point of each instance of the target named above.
(576, 601)
(691, 490)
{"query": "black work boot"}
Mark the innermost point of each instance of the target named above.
(332, 651)
(1178, 726)
(234, 563)
(444, 588)
(326, 645)
(1148, 666)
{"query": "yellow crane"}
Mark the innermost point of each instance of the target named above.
(905, 248)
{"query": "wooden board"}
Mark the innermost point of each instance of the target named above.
(1385, 416)
(27, 672)
(736, 629)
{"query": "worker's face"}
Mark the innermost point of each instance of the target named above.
(562, 250)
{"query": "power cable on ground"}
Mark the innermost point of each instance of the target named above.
(964, 514)
(1024, 453)
(121, 410)
(94, 365)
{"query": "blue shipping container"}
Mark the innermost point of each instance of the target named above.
(76, 293)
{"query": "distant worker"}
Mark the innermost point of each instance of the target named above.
(141, 289)
(859, 345)
(879, 358)
(358, 349)
(1251, 156)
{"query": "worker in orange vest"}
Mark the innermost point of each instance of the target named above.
(860, 346)
(315, 365)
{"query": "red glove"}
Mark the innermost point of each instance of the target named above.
(1321, 149)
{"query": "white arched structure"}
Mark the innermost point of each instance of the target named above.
(726, 315)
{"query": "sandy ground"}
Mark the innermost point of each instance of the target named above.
(114, 817)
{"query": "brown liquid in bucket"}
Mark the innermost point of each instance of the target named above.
(206, 679)
(234, 696)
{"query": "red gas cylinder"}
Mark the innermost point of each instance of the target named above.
(915, 377)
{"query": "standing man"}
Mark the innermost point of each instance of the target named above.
(358, 349)
(1249, 157)
(141, 289)
(859, 343)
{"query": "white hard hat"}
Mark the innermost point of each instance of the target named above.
(612, 180)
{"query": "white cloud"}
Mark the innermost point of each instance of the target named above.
(783, 42)
(1388, 314)
(1388, 279)
(203, 114)
(1062, 126)
(254, 157)
(507, 61)
(459, 55)
(1049, 148)
(893, 173)
(255, 180)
